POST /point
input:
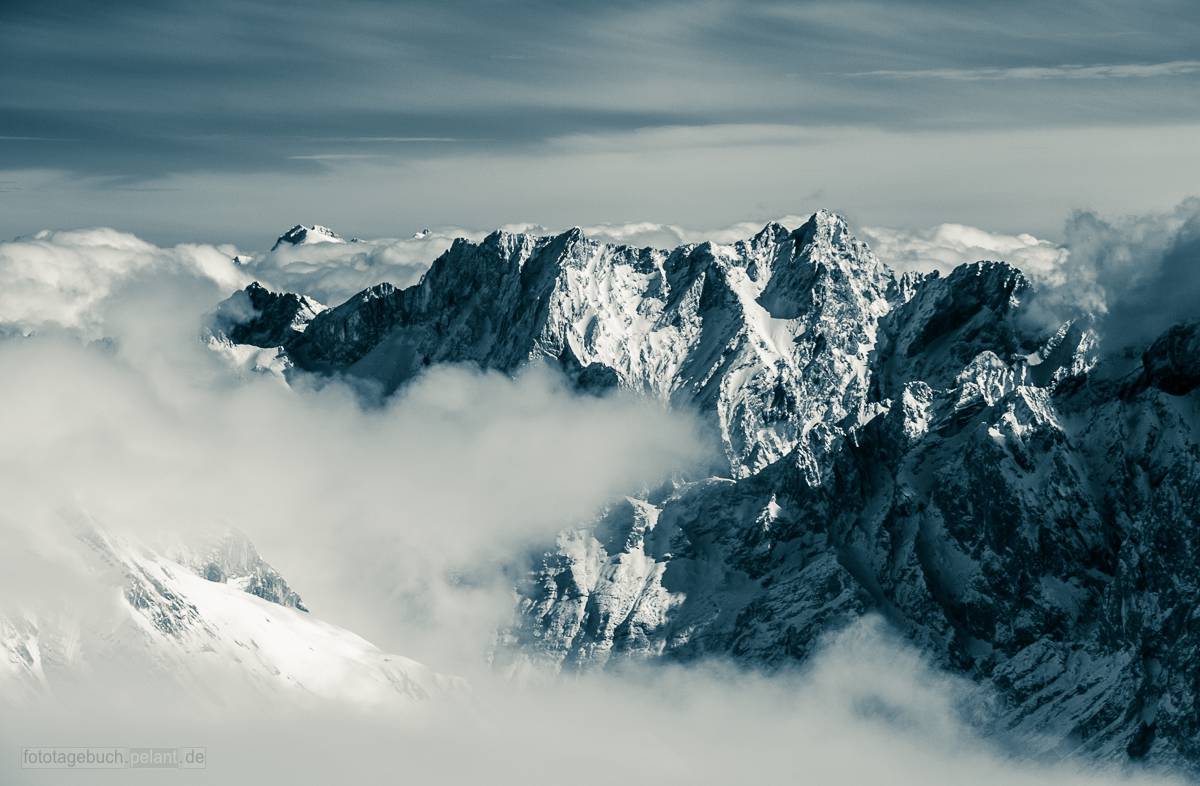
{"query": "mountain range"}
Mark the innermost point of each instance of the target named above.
(1013, 490)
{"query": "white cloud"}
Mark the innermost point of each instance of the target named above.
(1136, 274)
(332, 272)
(1139, 274)
(946, 246)
(866, 710)
(648, 233)
(58, 279)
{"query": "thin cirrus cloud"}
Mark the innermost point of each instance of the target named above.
(485, 113)
(333, 156)
(372, 140)
(1103, 71)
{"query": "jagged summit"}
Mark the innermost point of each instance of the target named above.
(825, 224)
(302, 235)
(736, 329)
(772, 232)
(262, 318)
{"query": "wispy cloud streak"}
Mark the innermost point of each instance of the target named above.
(1103, 71)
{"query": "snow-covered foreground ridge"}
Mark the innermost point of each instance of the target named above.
(211, 620)
(1016, 493)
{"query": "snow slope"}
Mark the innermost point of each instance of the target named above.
(217, 623)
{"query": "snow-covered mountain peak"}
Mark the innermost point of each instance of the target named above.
(930, 447)
(304, 235)
(729, 328)
(771, 233)
(827, 225)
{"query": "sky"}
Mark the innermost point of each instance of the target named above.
(230, 120)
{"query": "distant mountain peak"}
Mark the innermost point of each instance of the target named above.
(304, 235)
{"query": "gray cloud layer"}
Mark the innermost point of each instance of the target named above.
(484, 113)
(867, 710)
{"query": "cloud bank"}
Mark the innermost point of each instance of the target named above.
(1140, 273)
(62, 279)
(402, 521)
(866, 709)
(1137, 275)
(946, 246)
(332, 272)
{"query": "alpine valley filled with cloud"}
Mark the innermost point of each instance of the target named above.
(896, 481)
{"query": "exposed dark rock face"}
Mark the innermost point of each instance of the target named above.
(232, 559)
(262, 318)
(345, 334)
(914, 446)
(701, 326)
(1172, 363)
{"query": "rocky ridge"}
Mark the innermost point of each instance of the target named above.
(1014, 496)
